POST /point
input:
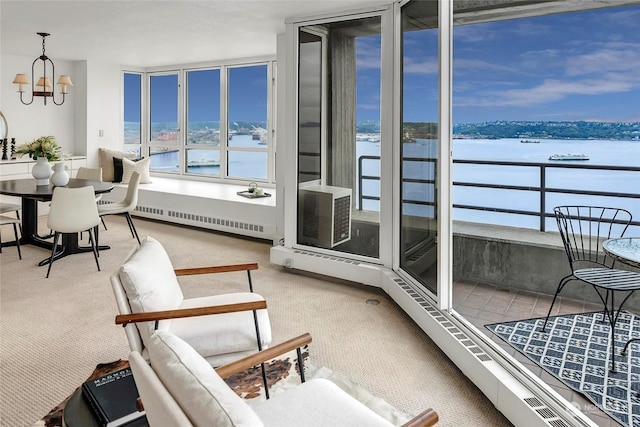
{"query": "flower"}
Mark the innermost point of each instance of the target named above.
(45, 146)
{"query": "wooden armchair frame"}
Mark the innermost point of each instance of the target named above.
(125, 319)
(156, 316)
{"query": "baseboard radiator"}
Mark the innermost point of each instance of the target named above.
(517, 402)
(204, 221)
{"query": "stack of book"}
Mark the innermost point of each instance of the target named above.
(113, 399)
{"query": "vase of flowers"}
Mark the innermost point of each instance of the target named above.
(43, 150)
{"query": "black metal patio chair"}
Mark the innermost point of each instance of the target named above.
(583, 229)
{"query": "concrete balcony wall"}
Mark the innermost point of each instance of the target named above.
(519, 258)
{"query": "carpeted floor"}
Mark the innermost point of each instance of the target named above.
(576, 349)
(55, 331)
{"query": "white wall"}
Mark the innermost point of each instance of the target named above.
(92, 104)
(103, 110)
(27, 122)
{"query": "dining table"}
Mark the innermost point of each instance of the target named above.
(31, 194)
(627, 251)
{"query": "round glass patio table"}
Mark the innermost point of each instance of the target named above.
(627, 251)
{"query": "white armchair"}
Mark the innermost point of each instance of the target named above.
(222, 328)
(179, 388)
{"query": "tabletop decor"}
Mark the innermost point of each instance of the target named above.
(575, 351)
(43, 150)
(41, 171)
(45, 146)
(60, 176)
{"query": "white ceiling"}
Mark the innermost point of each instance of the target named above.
(149, 33)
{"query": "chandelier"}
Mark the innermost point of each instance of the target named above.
(43, 86)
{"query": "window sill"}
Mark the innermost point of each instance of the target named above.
(203, 189)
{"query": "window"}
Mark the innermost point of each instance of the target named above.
(164, 148)
(203, 122)
(247, 122)
(211, 122)
(132, 121)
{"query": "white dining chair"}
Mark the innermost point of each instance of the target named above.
(125, 206)
(11, 207)
(73, 210)
(7, 220)
(91, 174)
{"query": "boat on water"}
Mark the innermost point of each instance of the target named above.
(202, 163)
(569, 157)
(529, 141)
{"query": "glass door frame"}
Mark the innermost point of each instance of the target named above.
(385, 12)
(444, 163)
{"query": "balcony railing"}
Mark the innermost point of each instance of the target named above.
(542, 188)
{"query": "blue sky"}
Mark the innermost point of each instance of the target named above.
(574, 66)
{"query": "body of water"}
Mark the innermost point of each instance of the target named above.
(245, 164)
(600, 152)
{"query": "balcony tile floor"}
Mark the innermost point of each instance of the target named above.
(482, 304)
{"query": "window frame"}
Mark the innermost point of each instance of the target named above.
(182, 144)
(133, 147)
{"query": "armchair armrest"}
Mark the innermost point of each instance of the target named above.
(215, 269)
(426, 418)
(262, 356)
(124, 319)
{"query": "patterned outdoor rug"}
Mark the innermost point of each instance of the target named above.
(575, 349)
(282, 374)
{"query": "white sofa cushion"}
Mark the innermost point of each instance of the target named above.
(317, 403)
(141, 166)
(150, 283)
(203, 396)
(106, 156)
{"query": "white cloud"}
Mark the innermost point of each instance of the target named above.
(428, 66)
(616, 57)
(550, 90)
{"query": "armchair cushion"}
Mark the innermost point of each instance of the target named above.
(160, 407)
(150, 283)
(318, 402)
(231, 336)
(203, 396)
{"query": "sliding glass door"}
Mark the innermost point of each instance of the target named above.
(339, 142)
(419, 142)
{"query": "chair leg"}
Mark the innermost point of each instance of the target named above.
(18, 217)
(15, 233)
(606, 301)
(56, 236)
(94, 244)
(103, 223)
(132, 228)
(563, 282)
(96, 234)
